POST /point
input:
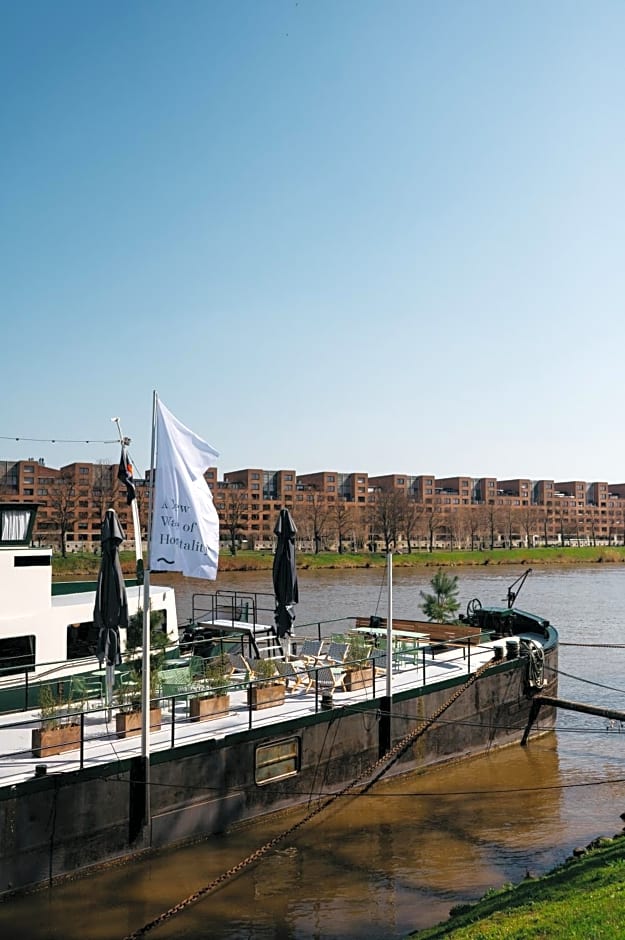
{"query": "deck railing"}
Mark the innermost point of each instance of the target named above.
(93, 725)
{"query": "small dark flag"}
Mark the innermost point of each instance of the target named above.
(124, 475)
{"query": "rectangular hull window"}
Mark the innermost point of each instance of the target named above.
(277, 761)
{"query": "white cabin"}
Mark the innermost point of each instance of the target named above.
(48, 633)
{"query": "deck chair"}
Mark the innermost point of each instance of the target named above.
(328, 678)
(336, 653)
(176, 681)
(291, 673)
(85, 692)
(197, 667)
(380, 659)
(239, 664)
(254, 667)
(310, 651)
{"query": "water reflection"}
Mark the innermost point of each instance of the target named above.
(400, 857)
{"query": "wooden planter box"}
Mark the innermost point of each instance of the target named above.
(358, 679)
(204, 707)
(128, 724)
(265, 696)
(49, 741)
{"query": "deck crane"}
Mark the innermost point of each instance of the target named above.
(518, 584)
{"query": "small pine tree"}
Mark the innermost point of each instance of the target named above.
(443, 603)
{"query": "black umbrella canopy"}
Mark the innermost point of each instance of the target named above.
(110, 611)
(285, 573)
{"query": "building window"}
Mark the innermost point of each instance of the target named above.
(277, 761)
(331, 479)
(288, 476)
(255, 476)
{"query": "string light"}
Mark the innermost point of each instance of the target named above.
(53, 440)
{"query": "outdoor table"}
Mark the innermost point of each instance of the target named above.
(402, 648)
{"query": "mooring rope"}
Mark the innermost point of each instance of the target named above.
(599, 646)
(381, 765)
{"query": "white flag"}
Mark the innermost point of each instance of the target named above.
(185, 525)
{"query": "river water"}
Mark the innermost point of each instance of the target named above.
(381, 865)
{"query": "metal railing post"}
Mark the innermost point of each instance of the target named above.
(82, 740)
(173, 720)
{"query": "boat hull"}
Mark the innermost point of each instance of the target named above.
(331, 748)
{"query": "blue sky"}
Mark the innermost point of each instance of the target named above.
(332, 234)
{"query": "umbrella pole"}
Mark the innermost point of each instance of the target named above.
(110, 678)
(386, 720)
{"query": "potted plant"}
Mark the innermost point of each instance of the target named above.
(266, 688)
(359, 669)
(59, 730)
(212, 698)
(129, 718)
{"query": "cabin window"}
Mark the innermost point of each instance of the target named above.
(32, 561)
(81, 640)
(277, 761)
(17, 654)
(15, 524)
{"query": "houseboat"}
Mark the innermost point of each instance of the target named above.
(351, 700)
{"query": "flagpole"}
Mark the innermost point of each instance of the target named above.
(145, 669)
(136, 521)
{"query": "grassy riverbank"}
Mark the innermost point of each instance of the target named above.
(582, 899)
(84, 564)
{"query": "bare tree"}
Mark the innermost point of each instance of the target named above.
(235, 512)
(432, 522)
(454, 522)
(508, 519)
(386, 517)
(530, 517)
(359, 527)
(492, 516)
(104, 488)
(471, 524)
(62, 503)
(411, 513)
(315, 515)
(341, 521)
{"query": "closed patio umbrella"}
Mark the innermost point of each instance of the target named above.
(285, 573)
(110, 611)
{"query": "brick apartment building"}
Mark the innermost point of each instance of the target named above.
(330, 508)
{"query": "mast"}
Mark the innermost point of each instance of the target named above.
(145, 670)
